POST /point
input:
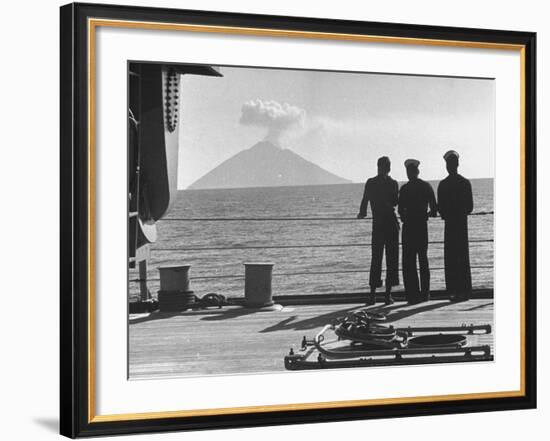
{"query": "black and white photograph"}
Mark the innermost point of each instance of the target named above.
(285, 220)
(275, 220)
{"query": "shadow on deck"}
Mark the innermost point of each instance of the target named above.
(234, 339)
(394, 313)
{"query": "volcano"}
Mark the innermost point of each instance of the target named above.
(266, 165)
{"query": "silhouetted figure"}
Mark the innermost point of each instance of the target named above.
(455, 204)
(416, 204)
(381, 191)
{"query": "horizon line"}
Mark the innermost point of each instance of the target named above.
(306, 185)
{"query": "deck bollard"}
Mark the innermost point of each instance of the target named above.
(174, 294)
(174, 278)
(257, 284)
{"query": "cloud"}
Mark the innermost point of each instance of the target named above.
(277, 118)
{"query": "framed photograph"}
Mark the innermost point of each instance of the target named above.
(275, 220)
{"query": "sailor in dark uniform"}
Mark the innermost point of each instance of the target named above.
(381, 191)
(455, 204)
(416, 204)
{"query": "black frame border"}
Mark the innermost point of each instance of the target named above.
(74, 220)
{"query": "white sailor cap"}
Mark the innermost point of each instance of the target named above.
(412, 162)
(451, 153)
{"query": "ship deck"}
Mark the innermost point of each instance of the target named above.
(234, 339)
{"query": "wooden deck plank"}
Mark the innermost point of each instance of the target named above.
(237, 340)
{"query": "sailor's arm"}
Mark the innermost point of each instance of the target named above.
(441, 200)
(401, 205)
(469, 198)
(395, 194)
(364, 203)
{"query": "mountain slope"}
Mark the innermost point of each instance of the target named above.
(266, 165)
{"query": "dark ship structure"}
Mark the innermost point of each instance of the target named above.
(153, 146)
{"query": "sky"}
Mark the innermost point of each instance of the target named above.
(341, 121)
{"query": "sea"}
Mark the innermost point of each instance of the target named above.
(309, 233)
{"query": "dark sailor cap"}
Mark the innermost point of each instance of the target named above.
(412, 163)
(451, 153)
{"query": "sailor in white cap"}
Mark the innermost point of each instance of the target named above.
(454, 194)
(416, 204)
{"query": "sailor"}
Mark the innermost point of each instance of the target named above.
(416, 204)
(454, 194)
(381, 191)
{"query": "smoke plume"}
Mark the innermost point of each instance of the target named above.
(277, 118)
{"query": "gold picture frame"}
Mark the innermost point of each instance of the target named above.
(79, 24)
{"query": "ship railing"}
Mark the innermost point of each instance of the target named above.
(286, 219)
(297, 246)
